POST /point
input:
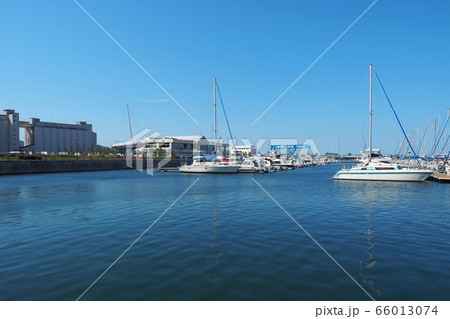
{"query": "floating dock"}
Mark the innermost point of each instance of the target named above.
(169, 169)
(440, 178)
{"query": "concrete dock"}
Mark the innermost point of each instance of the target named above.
(62, 166)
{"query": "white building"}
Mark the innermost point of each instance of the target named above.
(43, 136)
(171, 146)
(245, 150)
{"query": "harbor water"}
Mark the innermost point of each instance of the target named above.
(225, 239)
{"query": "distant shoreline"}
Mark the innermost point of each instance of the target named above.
(19, 167)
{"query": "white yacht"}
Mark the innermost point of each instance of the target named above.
(204, 166)
(250, 165)
(211, 165)
(282, 163)
(379, 169)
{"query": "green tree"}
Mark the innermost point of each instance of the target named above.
(160, 152)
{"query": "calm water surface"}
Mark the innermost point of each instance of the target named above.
(224, 240)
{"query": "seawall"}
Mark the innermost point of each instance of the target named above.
(63, 166)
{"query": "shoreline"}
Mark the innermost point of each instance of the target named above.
(65, 166)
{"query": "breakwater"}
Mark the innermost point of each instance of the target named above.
(62, 166)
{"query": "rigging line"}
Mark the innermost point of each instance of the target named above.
(397, 149)
(315, 61)
(421, 141)
(226, 119)
(386, 103)
(440, 136)
(358, 108)
(398, 120)
(136, 62)
(135, 121)
(313, 239)
(448, 138)
(137, 239)
(378, 127)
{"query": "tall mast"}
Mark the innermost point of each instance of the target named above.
(446, 134)
(434, 143)
(370, 114)
(215, 119)
(428, 134)
(129, 122)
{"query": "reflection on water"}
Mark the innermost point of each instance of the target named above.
(19, 202)
(367, 264)
(215, 253)
(394, 237)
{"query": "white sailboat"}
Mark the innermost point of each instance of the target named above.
(210, 165)
(379, 169)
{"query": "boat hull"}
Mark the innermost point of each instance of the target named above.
(395, 176)
(250, 170)
(203, 169)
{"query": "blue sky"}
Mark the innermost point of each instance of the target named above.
(56, 64)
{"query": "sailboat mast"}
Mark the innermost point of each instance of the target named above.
(215, 118)
(446, 134)
(129, 122)
(370, 113)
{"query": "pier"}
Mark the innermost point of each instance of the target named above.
(440, 178)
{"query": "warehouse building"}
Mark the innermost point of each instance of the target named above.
(43, 136)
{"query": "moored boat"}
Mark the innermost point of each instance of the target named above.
(250, 165)
(204, 166)
(378, 169)
(210, 165)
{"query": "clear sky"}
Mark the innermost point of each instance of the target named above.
(56, 64)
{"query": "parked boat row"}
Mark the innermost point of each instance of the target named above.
(252, 164)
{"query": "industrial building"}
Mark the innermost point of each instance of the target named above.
(9, 131)
(171, 146)
(43, 136)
